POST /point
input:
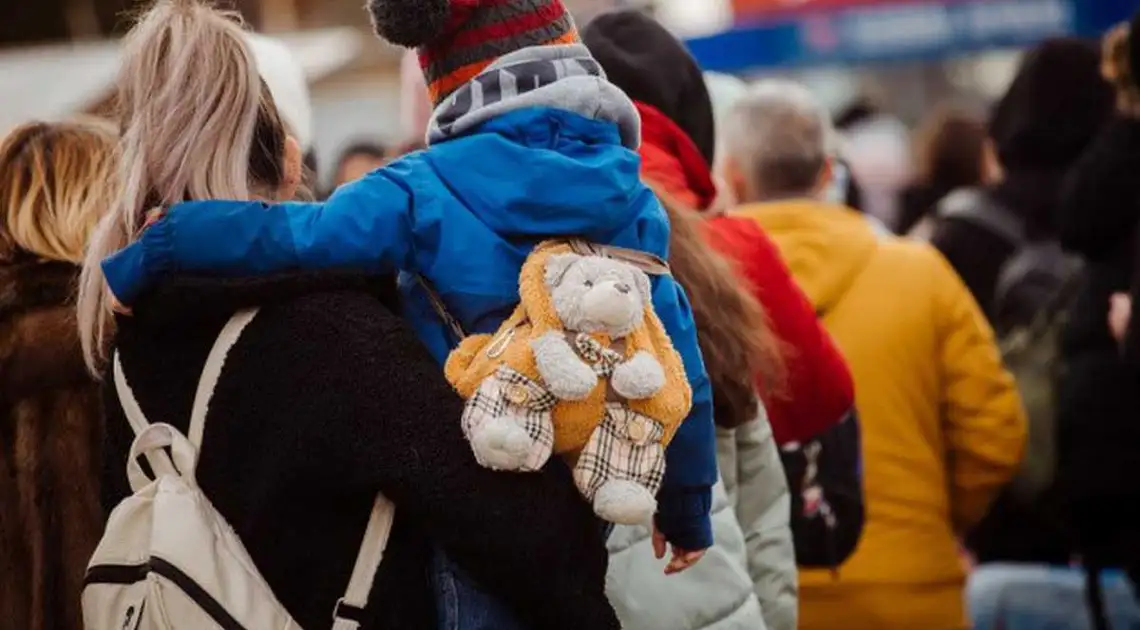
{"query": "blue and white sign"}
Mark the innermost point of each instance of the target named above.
(905, 30)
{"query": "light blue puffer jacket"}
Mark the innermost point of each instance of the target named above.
(747, 580)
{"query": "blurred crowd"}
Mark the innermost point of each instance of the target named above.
(921, 361)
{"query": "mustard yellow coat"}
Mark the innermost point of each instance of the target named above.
(479, 356)
(943, 426)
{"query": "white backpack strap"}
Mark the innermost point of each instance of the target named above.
(229, 336)
(349, 611)
(159, 462)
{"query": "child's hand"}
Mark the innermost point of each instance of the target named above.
(118, 307)
(1119, 312)
(681, 560)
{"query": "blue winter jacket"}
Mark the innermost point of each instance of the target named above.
(465, 214)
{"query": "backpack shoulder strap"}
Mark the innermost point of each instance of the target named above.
(646, 262)
(973, 206)
(349, 611)
(441, 308)
(212, 371)
(157, 458)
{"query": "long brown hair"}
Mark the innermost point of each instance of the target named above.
(736, 339)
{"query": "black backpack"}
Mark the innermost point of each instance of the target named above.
(1034, 292)
(825, 481)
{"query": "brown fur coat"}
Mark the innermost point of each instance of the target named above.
(50, 435)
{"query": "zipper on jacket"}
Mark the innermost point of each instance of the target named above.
(134, 573)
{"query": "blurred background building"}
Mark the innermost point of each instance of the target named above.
(59, 56)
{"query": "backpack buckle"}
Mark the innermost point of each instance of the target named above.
(348, 612)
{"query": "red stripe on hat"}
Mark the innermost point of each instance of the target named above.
(451, 81)
(508, 27)
(461, 11)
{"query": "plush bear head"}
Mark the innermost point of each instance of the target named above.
(593, 294)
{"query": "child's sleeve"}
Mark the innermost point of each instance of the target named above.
(367, 224)
(685, 499)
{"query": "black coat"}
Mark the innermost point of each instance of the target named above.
(327, 398)
(1011, 530)
(1100, 395)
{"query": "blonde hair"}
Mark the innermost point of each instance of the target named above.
(197, 123)
(56, 179)
(1116, 66)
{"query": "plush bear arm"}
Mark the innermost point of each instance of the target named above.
(639, 377)
(566, 375)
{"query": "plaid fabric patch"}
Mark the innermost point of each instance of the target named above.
(604, 360)
(509, 396)
(626, 446)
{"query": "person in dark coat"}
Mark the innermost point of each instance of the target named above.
(1099, 218)
(328, 397)
(55, 181)
(1037, 131)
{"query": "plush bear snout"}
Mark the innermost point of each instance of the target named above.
(612, 305)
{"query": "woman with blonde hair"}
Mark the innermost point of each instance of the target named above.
(328, 397)
(55, 180)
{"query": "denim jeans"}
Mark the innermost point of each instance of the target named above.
(460, 603)
(1039, 597)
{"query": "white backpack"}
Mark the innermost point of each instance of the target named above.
(169, 561)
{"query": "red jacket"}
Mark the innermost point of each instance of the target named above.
(819, 389)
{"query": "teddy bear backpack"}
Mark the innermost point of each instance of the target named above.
(582, 368)
(169, 561)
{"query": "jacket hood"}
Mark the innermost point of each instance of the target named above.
(826, 246)
(652, 66)
(671, 159)
(579, 179)
(39, 340)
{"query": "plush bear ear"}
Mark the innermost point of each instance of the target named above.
(557, 266)
(641, 280)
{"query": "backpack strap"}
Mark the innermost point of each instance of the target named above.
(349, 611)
(212, 371)
(158, 459)
(441, 308)
(973, 206)
(646, 262)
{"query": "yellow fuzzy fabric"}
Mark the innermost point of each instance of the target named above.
(535, 316)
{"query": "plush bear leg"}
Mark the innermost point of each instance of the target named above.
(625, 502)
(505, 433)
(500, 444)
(622, 466)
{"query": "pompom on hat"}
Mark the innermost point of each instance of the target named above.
(458, 39)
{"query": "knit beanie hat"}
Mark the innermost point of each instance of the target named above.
(1056, 104)
(458, 39)
(653, 67)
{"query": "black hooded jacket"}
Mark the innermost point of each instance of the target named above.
(1100, 396)
(326, 399)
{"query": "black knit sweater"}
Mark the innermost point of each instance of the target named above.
(327, 399)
